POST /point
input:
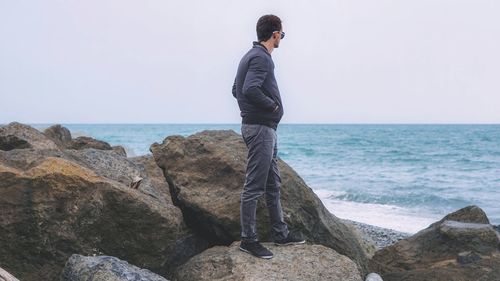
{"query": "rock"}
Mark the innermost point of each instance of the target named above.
(468, 257)
(119, 168)
(100, 268)
(366, 242)
(19, 136)
(88, 142)
(299, 262)
(206, 172)
(373, 277)
(5, 276)
(125, 170)
(62, 137)
(58, 134)
(25, 159)
(11, 142)
(120, 150)
(153, 181)
(469, 214)
(434, 253)
(136, 182)
(55, 203)
(58, 208)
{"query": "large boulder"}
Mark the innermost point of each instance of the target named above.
(58, 134)
(57, 202)
(19, 136)
(462, 249)
(300, 262)
(206, 172)
(104, 268)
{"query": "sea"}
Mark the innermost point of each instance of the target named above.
(402, 177)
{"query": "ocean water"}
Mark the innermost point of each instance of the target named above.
(402, 177)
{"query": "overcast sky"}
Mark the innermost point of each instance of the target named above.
(349, 61)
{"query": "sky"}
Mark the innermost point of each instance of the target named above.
(342, 61)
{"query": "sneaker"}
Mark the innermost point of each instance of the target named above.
(291, 239)
(256, 249)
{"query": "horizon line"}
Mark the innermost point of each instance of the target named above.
(239, 123)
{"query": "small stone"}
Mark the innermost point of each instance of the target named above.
(136, 181)
(373, 277)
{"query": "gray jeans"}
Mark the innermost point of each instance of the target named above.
(262, 177)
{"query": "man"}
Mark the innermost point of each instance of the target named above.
(259, 100)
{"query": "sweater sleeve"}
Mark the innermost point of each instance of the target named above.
(252, 87)
(234, 88)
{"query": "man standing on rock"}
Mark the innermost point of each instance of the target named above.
(261, 108)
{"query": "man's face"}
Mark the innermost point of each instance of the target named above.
(277, 38)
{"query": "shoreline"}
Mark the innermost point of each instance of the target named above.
(379, 236)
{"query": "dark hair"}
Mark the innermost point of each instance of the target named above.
(266, 25)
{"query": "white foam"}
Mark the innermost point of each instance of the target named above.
(386, 216)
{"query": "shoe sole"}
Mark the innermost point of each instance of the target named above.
(290, 243)
(262, 257)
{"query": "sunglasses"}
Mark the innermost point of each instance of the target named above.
(281, 33)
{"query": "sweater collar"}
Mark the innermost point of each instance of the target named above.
(258, 44)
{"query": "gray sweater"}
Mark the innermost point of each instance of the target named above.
(256, 89)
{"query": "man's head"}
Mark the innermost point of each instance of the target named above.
(269, 30)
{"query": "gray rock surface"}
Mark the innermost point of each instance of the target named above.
(84, 142)
(434, 253)
(299, 262)
(120, 150)
(10, 142)
(20, 136)
(206, 171)
(469, 214)
(119, 168)
(58, 134)
(104, 268)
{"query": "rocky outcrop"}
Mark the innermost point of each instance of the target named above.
(462, 249)
(469, 214)
(10, 142)
(88, 142)
(19, 136)
(58, 134)
(5, 276)
(300, 262)
(56, 202)
(100, 268)
(206, 172)
(62, 137)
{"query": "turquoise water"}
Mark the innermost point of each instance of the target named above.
(398, 176)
